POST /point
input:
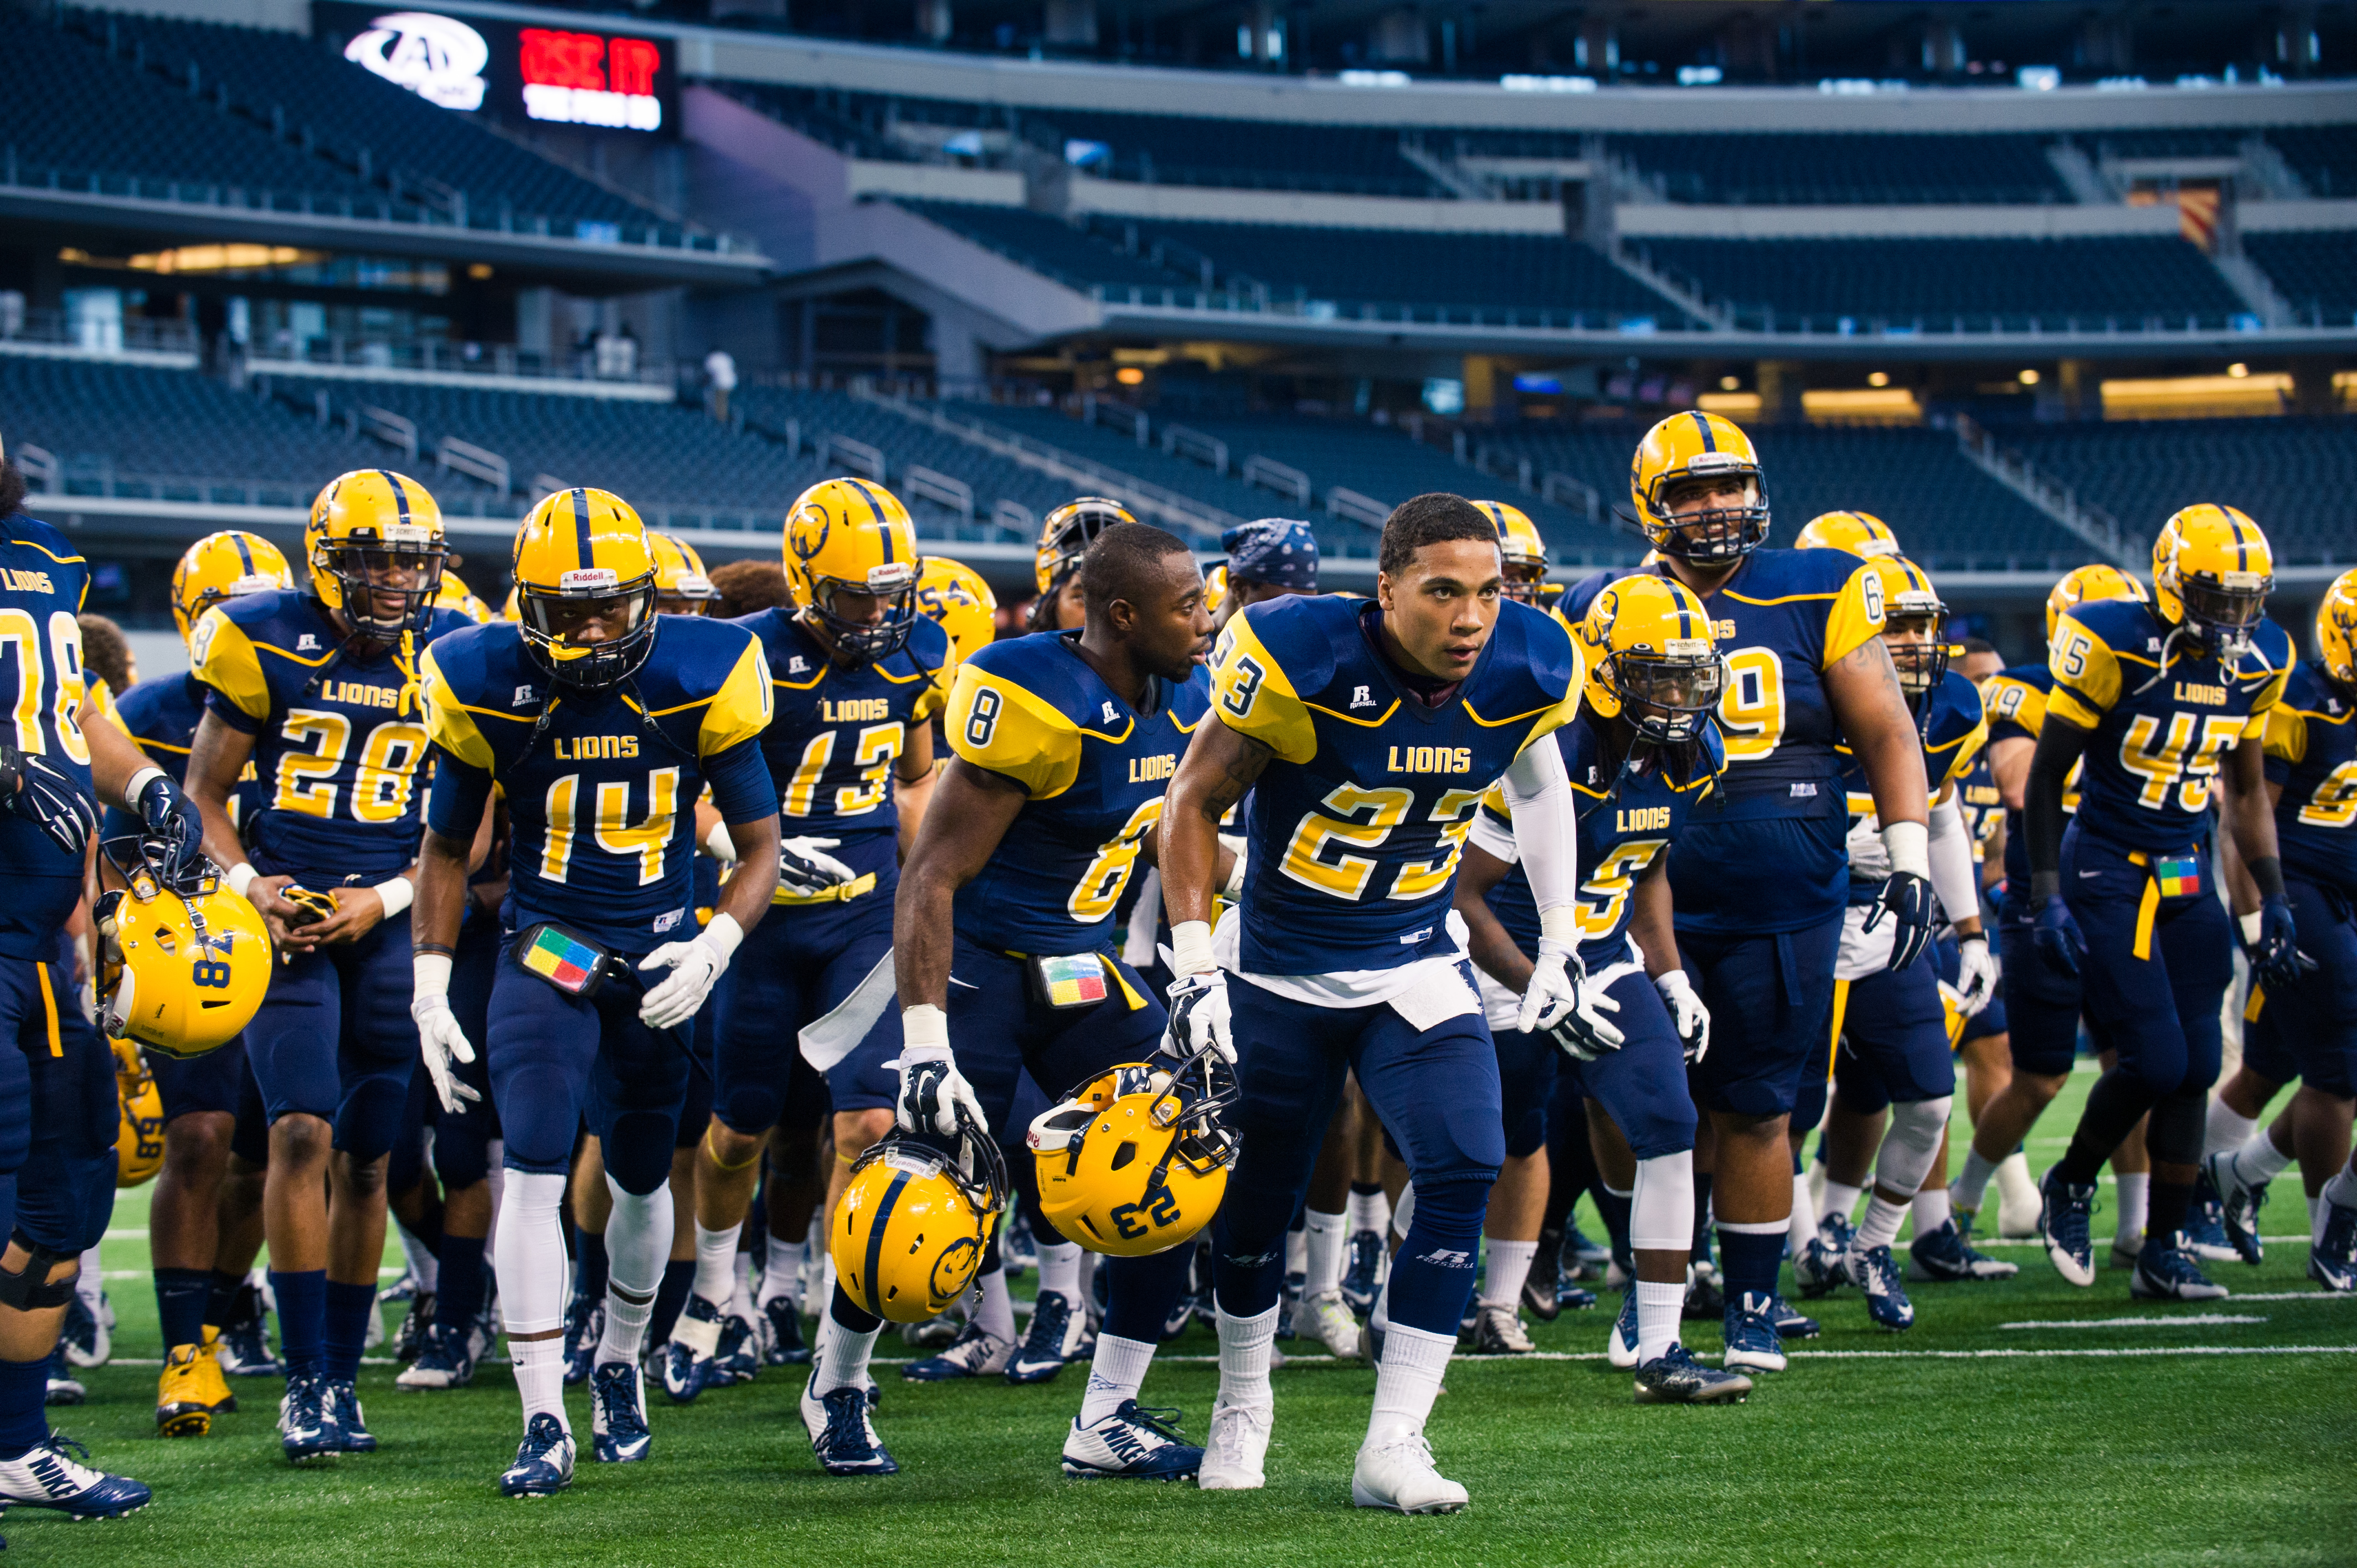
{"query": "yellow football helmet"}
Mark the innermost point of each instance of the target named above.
(374, 534)
(953, 597)
(582, 552)
(681, 585)
(185, 961)
(1691, 447)
(2087, 585)
(225, 565)
(853, 536)
(454, 594)
(511, 609)
(1215, 589)
(1651, 657)
(139, 1145)
(2211, 573)
(1067, 532)
(1912, 609)
(1859, 532)
(2336, 629)
(907, 1235)
(1134, 1161)
(1525, 553)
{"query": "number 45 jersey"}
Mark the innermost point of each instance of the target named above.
(1355, 831)
(601, 801)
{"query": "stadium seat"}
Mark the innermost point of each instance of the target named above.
(1836, 168)
(2315, 270)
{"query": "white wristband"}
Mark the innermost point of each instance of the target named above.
(1908, 844)
(925, 1029)
(719, 845)
(1560, 924)
(396, 892)
(2250, 924)
(1190, 948)
(430, 974)
(1234, 886)
(240, 877)
(139, 782)
(725, 933)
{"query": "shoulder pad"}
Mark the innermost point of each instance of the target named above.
(1010, 710)
(1534, 674)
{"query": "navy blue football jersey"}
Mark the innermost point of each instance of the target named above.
(1356, 827)
(1095, 770)
(2312, 754)
(161, 715)
(2158, 733)
(1954, 733)
(2015, 701)
(339, 743)
(601, 802)
(43, 581)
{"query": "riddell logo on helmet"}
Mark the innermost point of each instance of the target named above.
(589, 578)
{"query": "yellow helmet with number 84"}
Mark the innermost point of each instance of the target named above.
(186, 961)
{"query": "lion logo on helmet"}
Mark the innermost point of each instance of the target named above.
(807, 530)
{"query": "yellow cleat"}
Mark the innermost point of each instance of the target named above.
(190, 1392)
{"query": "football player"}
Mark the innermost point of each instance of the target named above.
(317, 686)
(1366, 733)
(1760, 881)
(2311, 767)
(1065, 535)
(1267, 560)
(1064, 743)
(2156, 699)
(601, 722)
(1639, 757)
(1524, 550)
(859, 672)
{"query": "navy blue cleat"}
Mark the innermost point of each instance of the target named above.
(544, 1461)
(307, 1420)
(56, 1473)
(1947, 1254)
(1753, 1343)
(687, 1360)
(843, 1431)
(2205, 1222)
(2066, 1226)
(1675, 1377)
(2333, 1262)
(352, 1435)
(784, 1345)
(585, 1324)
(1822, 1266)
(1364, 1275)
(1789, 1322)
(618, 1414)
(2167, 1269)
(1620, 1351)
(2239, 1203)
(1052, 1339)
(1876, 1273)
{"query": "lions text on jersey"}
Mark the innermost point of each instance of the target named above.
(43, 581)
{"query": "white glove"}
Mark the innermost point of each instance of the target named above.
(1687, 1014)
(439, 1039)
(933, 1091)
(1976, 974)
(804, 868)
(1198, 1017)
(1554, 988)
(693, 966)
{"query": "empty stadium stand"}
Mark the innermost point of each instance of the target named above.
(1843, 168)
(2315, 270)
(1070, 254)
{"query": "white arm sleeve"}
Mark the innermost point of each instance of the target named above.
(1538, 795)
(1953, 878)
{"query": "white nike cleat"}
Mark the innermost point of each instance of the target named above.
(1134, 1441)
(1398, 1473)
(1235, 1456)
(1330, 1316)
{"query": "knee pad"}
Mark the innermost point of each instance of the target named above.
(30, 1289)
(1451, 1209)
(1662, 1205)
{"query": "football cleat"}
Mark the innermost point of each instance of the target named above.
(1134, 1443)
(843, 1432)
(585, 1325)
(2018, 1202)
(2205, 1223)
(2064, 1223)
(783, 1345)
(1621, 1350)
(88, 1335)
(2238, 1206)
(1053, 1338)
(1574, 1298)
(1876, 1273)
(1675, 1377)
(618, 1414)
(2333, 1262)
(446, 1361)
(738, 1357)
(1789, 1321)
(933, 1333)
(409, 1340)
(1586, 1257)
(1235, 1456)
(1399, 1474)
(190, 1393)
(1336, 1328)
(1364, 1275)
(307, 1423)
(977, 1352)
(1705, 1300)
(343, 1402)
(1497, 1331)
(1182, 1313)
(687, 1360)
(1945, 1254)
(1753, 1343)
(56, 1474)
(544, 1461)
(245, 1338)
(1542, 1289)
(64, 1388)
(2166, 1271)
(1819, 1270)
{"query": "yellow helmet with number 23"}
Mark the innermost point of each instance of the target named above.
(375, 532)
(1699, 450)
(907, 1235)
(2211, 573)
(225, 565)
(579, 549)
(1134, 1161)
(2088, 585)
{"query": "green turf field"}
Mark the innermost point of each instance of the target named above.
(2020, 1421)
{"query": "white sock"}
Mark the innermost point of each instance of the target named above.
(842, 1356)
(1296, 1252)
(2226, 1128)
(534, 1277)
(2258, 1160)
(1840, 1198)
(1931, 1209)
(1408, 1382)
(1880, 1226)
(539, 1377)
(1370, 1211)
(740, 1297)
(638, 1245)
(1971, 1186)
(1085, 1283)
(1380, 1319)
(1803, 1227)
(781, 1261)
(715, 1260)
(1508, 1266)
(996, 1309)
(2316, 1210)
(89, 1284)
(1060, 1270)
(1244, 1345)
(1117, 1372)
(2136, 1195)
(2342, 1188)
(424, 1266)
(1658, 1308)
(1324, 1239)
(820, 1294)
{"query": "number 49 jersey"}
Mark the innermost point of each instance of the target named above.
(339, 743)
(2312, 755)
(2158, 733)
(1355, 830)
(601, 802)
(43, 580)
(1032, 710)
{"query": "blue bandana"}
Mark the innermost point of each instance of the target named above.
(1277, 551)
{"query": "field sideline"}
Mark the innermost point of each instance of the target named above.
(2020, 1421)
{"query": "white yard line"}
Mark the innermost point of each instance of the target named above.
(2145, 1321)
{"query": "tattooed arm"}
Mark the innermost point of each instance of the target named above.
(1871, 712)
(1218, 769)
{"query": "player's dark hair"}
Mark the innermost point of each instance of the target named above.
(1125, 563)
(106, 651)
(12, 489)
(1434, 518)
(1979, 645)
(747, 585)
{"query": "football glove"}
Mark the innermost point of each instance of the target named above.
(805, 870)
(1554, 988)
(439, 1037)
(1976, 973)
(932, 1091)
(1582, 1033)
(1687, 1014)
(2056, 937)
(694, 966)
(2275, 956)
(172, 820)
(49, 798)
(1906, 900)
(1198, 1017)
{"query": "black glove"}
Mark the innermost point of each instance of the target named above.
(173, 822)
(2276, 955)
(46, 795)
(1907, 899)
(2056, 937)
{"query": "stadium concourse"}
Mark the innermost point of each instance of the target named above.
(413, 417)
